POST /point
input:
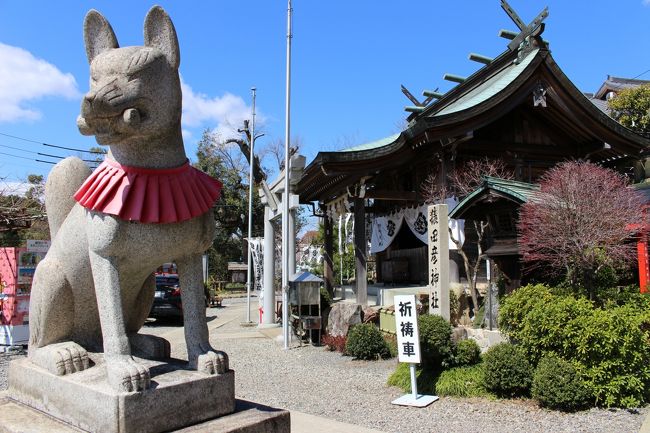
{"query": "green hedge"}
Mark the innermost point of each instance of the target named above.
(468, 352)
(365, 341)
(556, 385)
(435, 342)
(507, 372)
(609, 347)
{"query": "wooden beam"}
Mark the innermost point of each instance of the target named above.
(391, 195)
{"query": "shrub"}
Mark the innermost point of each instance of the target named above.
(325, 299)
(391, 341)
(609, 347)
(365, 341)
(556, 385)
(462, 382)
(426, 379)
(468, 352)
(454, 307)
(507, 372)
(334, 343)
(516, 305)
(435, 340)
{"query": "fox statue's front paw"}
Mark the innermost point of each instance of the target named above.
(126, 375)
(61, 358)
(209, 361)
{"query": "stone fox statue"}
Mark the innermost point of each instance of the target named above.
(143, 206)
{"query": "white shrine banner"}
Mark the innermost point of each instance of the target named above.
(385, 228)
(406, 325)
(257, 251)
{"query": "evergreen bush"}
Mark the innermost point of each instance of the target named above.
(609, 347)
(435, 342)
(556, 385)
(365, 341)
(507, 372)
(468, 352)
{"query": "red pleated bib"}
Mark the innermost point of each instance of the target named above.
(149, 195)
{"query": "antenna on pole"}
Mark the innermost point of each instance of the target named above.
(287, 192)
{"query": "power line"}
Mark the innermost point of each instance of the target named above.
(63, 157)
(18, 148)
(76, 150)
(642, 73)
(16, 156)
(51, 145)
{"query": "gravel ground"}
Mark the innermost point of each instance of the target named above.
(5, 359)
(312, 380)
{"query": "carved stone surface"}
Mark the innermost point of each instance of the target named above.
(94, 289)
(87, 364)
(247, 418)
(178, 397)
(341, 317)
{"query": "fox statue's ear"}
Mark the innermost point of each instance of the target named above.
(98, 35)
(159, 33)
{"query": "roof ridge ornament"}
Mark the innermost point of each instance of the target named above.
(529, 35)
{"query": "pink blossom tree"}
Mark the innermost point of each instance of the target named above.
(582, 221)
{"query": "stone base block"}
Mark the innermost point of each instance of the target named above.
(178, 397)
(248, 418)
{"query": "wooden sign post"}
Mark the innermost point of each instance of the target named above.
(438, 260)
(408, 348)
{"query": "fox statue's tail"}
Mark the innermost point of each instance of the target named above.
(62, 182)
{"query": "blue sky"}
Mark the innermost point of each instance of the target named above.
(349, 59)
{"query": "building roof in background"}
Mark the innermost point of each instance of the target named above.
(615, 85)
(519, 192)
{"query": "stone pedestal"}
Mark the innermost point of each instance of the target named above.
(248, 418)
(178, 397)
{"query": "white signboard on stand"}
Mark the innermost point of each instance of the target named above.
(408, 338)
(408, 348)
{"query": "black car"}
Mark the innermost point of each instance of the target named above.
(167, 298)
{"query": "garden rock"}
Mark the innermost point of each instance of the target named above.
(341, 317)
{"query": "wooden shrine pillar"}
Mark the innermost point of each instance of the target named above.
(328, 267)
(360, 245)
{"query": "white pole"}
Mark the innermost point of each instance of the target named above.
(250, 215)
(269, 269)
(285, 200)
(414, 382)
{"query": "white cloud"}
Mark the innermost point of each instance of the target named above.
(222, 114)
(8, 187)
(646, 2)
(25, 78)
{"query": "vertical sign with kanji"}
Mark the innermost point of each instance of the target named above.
(406, 321)
(438, 276)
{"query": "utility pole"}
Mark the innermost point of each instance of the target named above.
(287, 192)
(249, 269)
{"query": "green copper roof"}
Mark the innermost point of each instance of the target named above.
(520, 191)
(489, 88)
(373, 144)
